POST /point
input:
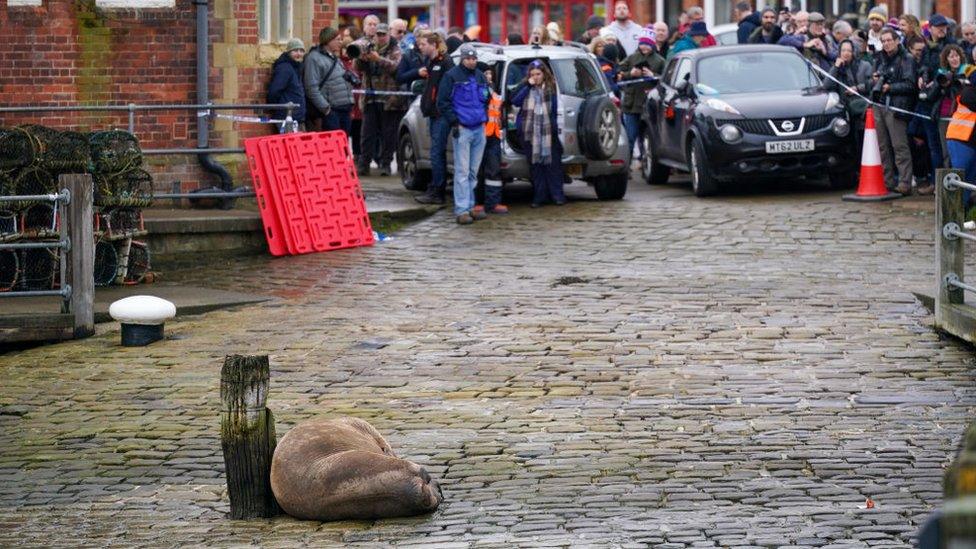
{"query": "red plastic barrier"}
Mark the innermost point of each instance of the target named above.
(309, 192)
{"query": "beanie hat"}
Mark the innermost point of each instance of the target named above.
(594, 22)
(295, 44)
(327, 34)
(606, 32)
(879, 14)
(646, 40)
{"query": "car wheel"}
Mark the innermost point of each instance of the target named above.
(843, 180)
(611, 187)
(413, 178)
(702, 182)
(599, 127)
(654, 173)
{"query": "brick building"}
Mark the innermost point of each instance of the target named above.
(99, 52)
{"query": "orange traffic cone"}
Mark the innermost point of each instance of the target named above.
(871, 186)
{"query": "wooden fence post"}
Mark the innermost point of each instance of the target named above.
(81, 266)
(247, 436)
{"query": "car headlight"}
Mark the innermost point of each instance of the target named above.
(720, 105)
(832, 101)
(730, 134)
(840, 127)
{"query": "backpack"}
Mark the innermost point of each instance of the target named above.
(469, 102)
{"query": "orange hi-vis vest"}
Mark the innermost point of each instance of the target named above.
(494, 126)
(962, 123)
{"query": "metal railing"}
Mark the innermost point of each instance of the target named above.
(72, 225)
(952, 313)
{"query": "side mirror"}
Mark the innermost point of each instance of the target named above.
(417, 87)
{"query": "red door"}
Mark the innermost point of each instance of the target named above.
(499, 18)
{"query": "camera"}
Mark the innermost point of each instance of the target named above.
(358, 49)
(354, 81)
(876, 89)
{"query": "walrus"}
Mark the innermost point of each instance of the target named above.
(335, 469)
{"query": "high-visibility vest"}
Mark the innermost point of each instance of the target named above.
(494, 126)
(962, 123)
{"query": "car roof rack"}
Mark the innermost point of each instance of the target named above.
(494, 47)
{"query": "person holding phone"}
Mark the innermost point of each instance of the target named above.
(538, 102)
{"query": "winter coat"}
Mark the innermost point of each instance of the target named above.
(380, 75)
(937, 94)
(609, 70)
(757, 36)
(685, 43)
(286, 87)
(518, 99)
(411, 61)
(746, 27)
(933, 50)
(447, 103)
(899, 72)
(823, 60)
(436, 69)
(334, 92)
(857, 75)
(636, 94)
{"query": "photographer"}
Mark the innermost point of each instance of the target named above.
(941, 93)
(327, 84)
(923, 132)
(377, 62)
(854, 73)
(893, 85)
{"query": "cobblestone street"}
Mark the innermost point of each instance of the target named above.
(665, 371)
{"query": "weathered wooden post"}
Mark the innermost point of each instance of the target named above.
(247, 436)
(81, 267)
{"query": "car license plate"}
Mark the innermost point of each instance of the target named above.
(796, 145)
(574, 170)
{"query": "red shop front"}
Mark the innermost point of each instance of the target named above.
(499, 18)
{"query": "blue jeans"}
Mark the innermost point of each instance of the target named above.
(439, 130)
(929, 129)
(963, 157)
(337, 119)
(469, 145)
(632, 127)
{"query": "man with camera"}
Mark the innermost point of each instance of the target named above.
(893, 85)
(328, 86)
(377, 61)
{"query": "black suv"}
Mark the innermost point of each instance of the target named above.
(744, 113)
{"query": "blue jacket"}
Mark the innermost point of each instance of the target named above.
(448, 106)
(286, 86)
(409, 68)
(686, 43)
(746, 26)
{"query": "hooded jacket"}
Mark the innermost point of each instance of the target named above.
(636, 94)
(286, 86)
(898, 70)
(321, 93)
(746, 26)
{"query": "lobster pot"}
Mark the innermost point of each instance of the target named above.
(32, 181)
(40, 217)
(38, 268)
(106, 263)
(139, 263)
(18, 148)
(9, 269)
(67, 152)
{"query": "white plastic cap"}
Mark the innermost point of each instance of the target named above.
(142, 309)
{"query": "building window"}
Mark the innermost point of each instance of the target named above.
(276, 20)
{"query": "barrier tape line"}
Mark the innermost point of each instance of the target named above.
(381, 92)
(854, 91)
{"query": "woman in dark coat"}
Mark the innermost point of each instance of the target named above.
(286, 83)
(538, 100)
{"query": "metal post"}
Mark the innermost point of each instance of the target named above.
(948, 251)
(391, 10)
(132, 118)
(82, 265)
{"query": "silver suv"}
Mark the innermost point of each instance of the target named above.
(594, 144)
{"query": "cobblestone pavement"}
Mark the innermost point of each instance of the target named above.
(665, 371)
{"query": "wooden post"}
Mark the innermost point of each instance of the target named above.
(81, 266)
(247, 436)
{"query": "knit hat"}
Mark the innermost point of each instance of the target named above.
(698, 28)
(327, 34)
(295, 44)
(594, 22)
(646, 41)
(879, 14)
(606, 32)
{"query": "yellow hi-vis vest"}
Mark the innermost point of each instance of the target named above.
(494, 126)
(962, 123)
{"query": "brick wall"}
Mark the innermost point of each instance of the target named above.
(68, 52)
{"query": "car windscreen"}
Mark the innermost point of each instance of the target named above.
(754, 72)
(577, 77)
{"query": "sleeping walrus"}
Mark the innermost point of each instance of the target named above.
(343, 469)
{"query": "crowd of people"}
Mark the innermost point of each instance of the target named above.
(917, 77)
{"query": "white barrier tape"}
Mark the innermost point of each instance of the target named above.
(381, 92)
(644, 80)
(254, 119)
(872, 103)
